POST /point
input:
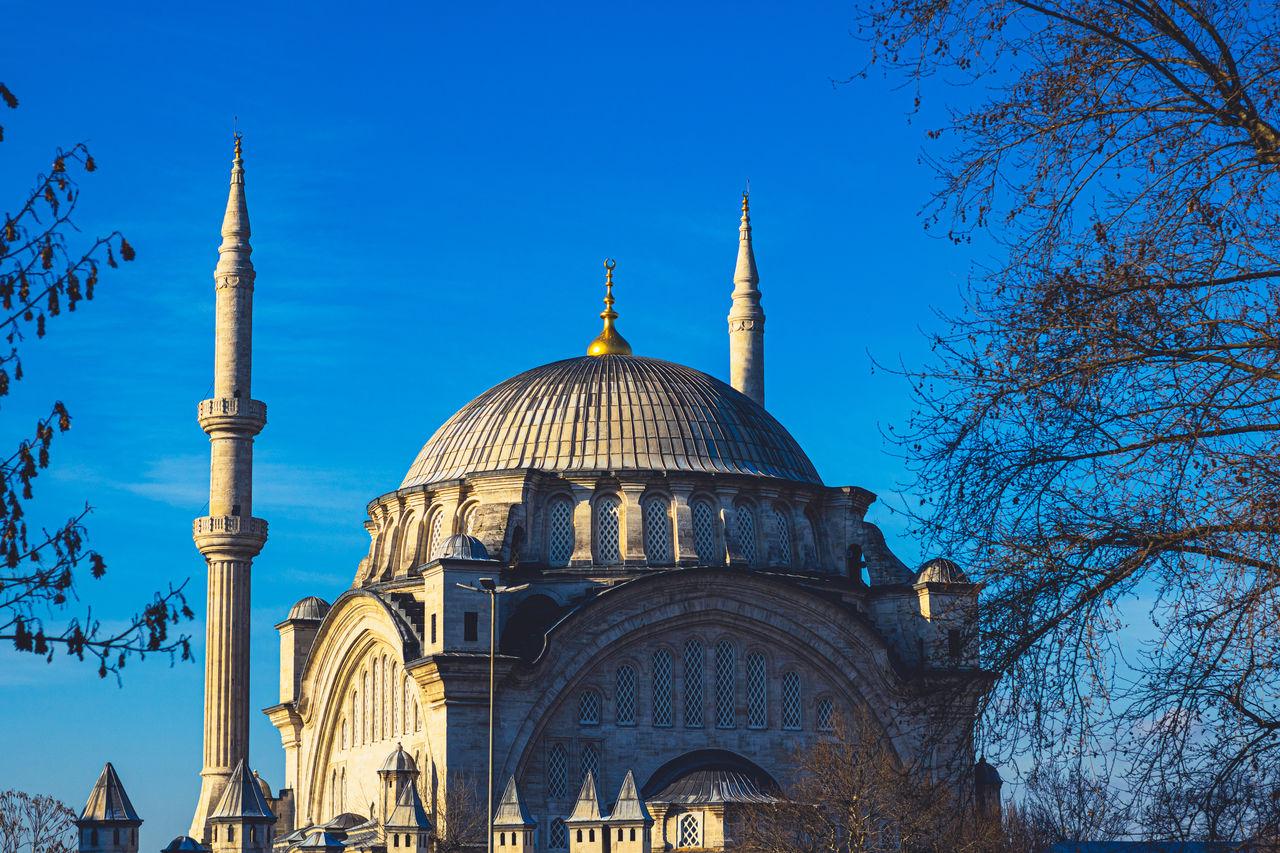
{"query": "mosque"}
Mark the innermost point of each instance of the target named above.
(611, 592)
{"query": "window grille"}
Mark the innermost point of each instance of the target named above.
(693, 684)
(689, 835)
(724, 685)
(626, 698)
(557, 771)
(662, 688)
(435, 535)
(559, 532)
(791, 701)
(704, 538)
(784, 535)
(757, 708)
(657, 532)
(607, 552)
(589, 708)
(747, 534)
(826, 714)
(469, 520)
(590, 761)
(557, 837)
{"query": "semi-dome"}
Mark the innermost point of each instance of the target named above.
(612, 413)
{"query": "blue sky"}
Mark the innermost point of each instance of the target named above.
(432, 190)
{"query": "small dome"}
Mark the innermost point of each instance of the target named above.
(184, 844)
(310, 607)
(986, 774)
(941, 570)
(399, 762)
(460, 546)
(321, 839)
(262, 783)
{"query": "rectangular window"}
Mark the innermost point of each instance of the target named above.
(433, 627)
(471, 626)
(954, 643)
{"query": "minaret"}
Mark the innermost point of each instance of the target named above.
(229, 537)
(746, 319)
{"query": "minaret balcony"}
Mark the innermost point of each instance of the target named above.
(230, 533)
(232, 413)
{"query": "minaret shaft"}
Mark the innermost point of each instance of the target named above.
(746, 319)
(229, 537)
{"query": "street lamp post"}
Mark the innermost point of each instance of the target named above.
(493, 590)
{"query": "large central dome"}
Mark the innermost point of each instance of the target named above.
(611, 413)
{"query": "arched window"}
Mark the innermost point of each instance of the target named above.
(791, 701)
(557, 771)
(757, 707)
(393, 706)
(355, 717)
(375, 700)
(812, 547)
(344, 733)
(625, 703)
(724, 685)
(410, 540)
(333, 793)
(417, 717)
(557, 837)
(364, 715)
(747, 533)
(783, 522)
(469, 516)
(435, 534)
(825, 713)
(704, 533)
(693, 684)
(662, 688)
(689, 835)
(408, 701)
(657, 532)
(589, 708)
(591, 761)
(559, 531)
(607, 530)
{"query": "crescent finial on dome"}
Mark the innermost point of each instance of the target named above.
(609, 342)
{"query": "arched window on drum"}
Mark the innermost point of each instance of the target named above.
(704, 534)
(782, 521)
(746, 531)
(608, 529)
(435, 534)
(559, 531)
(657, 532)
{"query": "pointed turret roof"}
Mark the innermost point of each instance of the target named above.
(233, 254)
(511, 810)
(587, 808)
(408, 811)
(629, 807)
(745, 276)
(108, 801)
(242, 798)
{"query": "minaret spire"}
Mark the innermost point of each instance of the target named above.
(746, 318)
(609, 341)
(229, 537)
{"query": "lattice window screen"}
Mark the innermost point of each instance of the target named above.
(689, 835)
(826, 714)
(626, 699)
(784, 535)
(560, 533)
(591, 762)
(469, 521)
(435, 535)
(791, 701)
(657, 532)
(757, 708)
(724, 685)
(747, 533)
(558, 836)
(693, 684)
(607, 530)
(704, 536)
(557, 771)
(589, 708)
(662, 688)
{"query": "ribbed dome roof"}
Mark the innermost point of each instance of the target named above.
(611, 413)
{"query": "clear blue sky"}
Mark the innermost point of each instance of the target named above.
(432, 191)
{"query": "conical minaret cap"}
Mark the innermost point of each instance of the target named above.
(242, 798)
(511, 810)
(745, 275)
(587, 808)
(108, 802)
(629, 808)
(233, 254)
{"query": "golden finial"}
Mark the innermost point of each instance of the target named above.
(609, 342)
(745, 195)
(239, 136)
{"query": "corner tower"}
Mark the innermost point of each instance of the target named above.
(746, 319)
(229, 537)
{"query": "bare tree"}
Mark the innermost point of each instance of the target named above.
(1067, 804)
(851, 794)
(33, 823)
(461, 825)
(40, 274)
(1097, 436)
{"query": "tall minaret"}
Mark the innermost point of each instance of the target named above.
(229, 537)
(746, 319)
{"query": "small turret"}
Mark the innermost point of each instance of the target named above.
(243, 821)
(630, 821)
(398, 773)
(746, 318)
(986, 787)
(513, 827)
(108, 823)
(587, 825)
